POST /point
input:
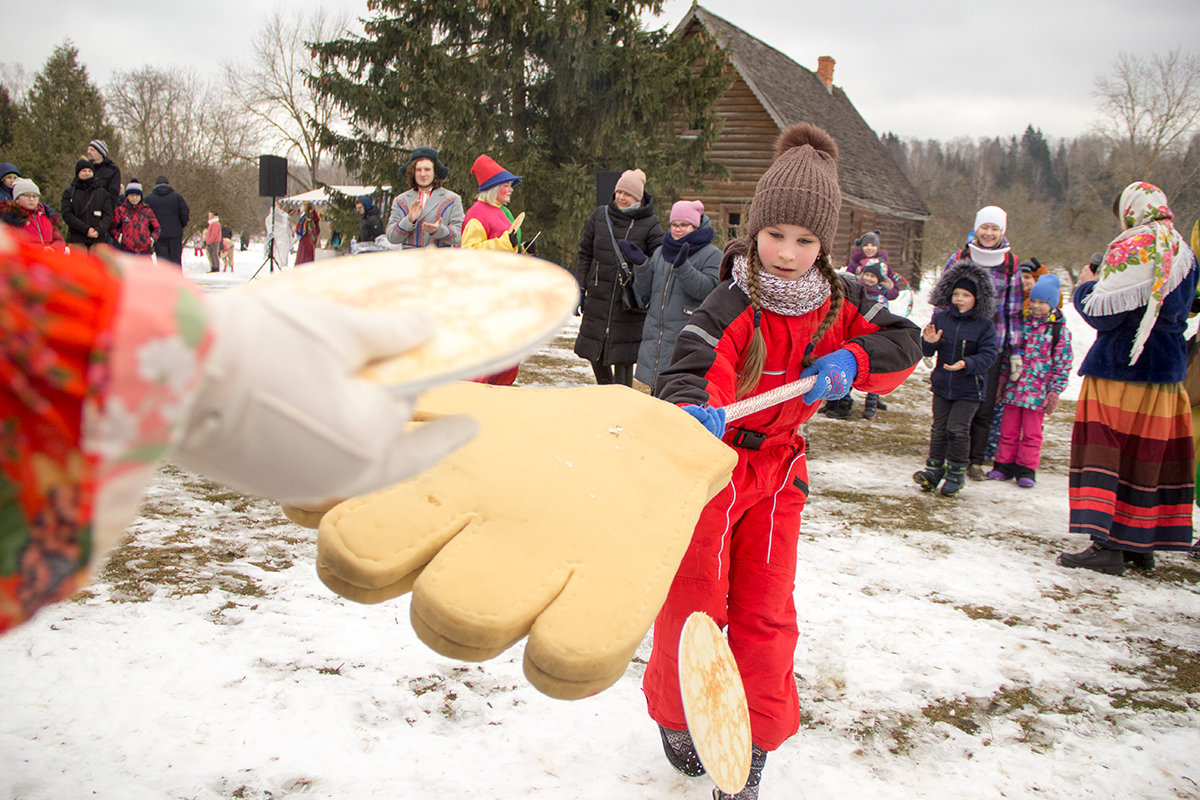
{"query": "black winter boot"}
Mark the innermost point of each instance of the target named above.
(841, 409)
(869, 406)
(758, 760)
(882, 406)
(681, 752)
(1139, 560)
(931, 476)
(1099, 558)
(956, 476)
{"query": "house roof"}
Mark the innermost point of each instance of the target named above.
(320, 196)
(790, 93)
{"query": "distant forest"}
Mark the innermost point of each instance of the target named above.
(1058, 195)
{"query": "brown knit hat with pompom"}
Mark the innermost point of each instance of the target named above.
(801, 187)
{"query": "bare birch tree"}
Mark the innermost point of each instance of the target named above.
(1149, 109)
(273, 89)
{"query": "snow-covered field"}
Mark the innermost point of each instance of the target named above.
(942, 654)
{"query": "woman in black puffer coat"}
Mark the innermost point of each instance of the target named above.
(609, 336)
(87, 208)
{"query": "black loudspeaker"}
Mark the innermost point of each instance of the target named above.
(606, 184)
(272, 176)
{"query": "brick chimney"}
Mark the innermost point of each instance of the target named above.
(825, 71)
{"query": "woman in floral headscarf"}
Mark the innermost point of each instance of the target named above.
(1132, 484)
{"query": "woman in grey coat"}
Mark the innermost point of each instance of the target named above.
(672, 283)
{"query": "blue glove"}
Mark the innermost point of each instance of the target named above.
(711, 418)
(633, 254)
(835, 373)
(681, 259)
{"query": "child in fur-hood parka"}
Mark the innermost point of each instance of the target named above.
(965, 269)
(963, 336)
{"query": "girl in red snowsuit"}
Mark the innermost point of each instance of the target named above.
(781, 313)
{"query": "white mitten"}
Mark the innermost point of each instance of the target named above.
(281, 413)
(1015, 364)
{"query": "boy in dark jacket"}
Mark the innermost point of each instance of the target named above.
(963, 336)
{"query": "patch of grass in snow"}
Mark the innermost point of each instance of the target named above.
(193, 536)
(959, 713)
(1022, 706)
(1181, 573)
(1172, 676)
(448, 688)
(910, 512)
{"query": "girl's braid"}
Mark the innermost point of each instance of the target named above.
(825, 265)
(756, 353)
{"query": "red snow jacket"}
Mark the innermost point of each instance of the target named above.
(709, 352)
(39, 225)
(135, 229)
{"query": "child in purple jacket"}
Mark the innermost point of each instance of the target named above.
(1034, 394)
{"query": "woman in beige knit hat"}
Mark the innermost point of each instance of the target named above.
(782, 313)
(610, 332)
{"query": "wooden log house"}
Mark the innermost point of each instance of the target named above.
(771, 92)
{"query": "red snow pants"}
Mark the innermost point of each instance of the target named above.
(740, 569)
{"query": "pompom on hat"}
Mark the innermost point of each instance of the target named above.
(801, 187)
(632, 182)
(490, 174)
(439, 169)
(867, 238)
(687, 211)
(133, 187)
(25, 186)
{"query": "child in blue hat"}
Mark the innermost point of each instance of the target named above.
(1034, 394)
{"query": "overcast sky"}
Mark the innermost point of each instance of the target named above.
(924, 68)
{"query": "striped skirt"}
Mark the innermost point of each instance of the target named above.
(1132, 483)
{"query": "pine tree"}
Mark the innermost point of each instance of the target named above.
(10, 114)
(63, 112)
(1038, 170)
(554, 90)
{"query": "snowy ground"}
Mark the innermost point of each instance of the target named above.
(942, 654)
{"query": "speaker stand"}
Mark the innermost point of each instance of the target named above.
(270, 257)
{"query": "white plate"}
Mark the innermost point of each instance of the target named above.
(491, 308)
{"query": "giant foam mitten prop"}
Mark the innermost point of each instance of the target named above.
(564, 520)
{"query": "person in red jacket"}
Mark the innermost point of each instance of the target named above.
(212, 242)
(32, 218)
(135, 228)
(781, 313)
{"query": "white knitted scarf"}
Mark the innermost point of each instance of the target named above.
(790, 298)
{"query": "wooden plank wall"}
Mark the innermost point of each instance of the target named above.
(747, 148)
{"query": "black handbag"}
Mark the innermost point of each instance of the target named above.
(629, 300)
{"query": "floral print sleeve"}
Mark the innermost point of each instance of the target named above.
(101, 356)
